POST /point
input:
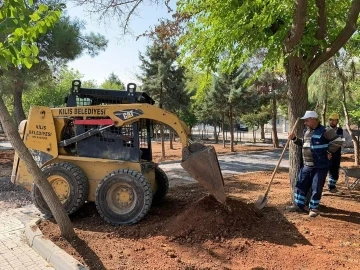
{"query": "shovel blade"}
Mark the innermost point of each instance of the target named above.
(202, 164)
(261, 202)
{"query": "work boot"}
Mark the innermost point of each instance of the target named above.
(294, 208)
(335, 191)
(314, 213)
(332, 192)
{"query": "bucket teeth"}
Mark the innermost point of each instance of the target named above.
(202, 164)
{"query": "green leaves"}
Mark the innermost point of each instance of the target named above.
(238, 30)
(20, 27)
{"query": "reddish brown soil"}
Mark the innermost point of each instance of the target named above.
(6, 160)
(191, 230)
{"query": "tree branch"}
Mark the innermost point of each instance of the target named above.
(297, 29)
(321, 20)
(341, 39)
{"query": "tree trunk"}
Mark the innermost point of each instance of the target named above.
(347, 118)
(231, 130)
(353, 137)
(298, 102)
(171, 135)
(19, 114)
(216, 134)
(223, 128)
(275, 139)
(262, 132)
(254, 135)
(323, 112)
(162, 142)
(50, 197)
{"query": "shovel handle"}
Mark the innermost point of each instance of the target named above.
(281, 157)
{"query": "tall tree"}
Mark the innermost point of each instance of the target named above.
(113, 82)
(323, 89)
(271, 85)
(302, 34)
(232, 97)
(21, 26)
(164, 79)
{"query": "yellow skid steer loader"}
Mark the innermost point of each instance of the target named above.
(98, 148)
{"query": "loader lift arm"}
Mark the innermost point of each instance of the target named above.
(199, 161)
(126, 114)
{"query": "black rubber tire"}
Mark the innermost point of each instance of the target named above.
(77, 181)
(162, 182)
(140, 188)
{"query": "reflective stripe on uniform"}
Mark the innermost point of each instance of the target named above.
(320, 146)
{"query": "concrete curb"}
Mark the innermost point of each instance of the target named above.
(54, 255)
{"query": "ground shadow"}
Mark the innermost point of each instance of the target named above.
(89, 256)
(339, 214)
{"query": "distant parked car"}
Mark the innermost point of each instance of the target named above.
(241, 127)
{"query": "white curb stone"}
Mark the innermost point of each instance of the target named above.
(54, 255)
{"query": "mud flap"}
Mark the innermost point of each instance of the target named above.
(202, 164)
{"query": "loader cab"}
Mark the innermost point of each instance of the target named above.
(129, 143)
(79, 96)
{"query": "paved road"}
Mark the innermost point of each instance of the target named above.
(234, 164)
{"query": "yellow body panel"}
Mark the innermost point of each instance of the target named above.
(42, 133)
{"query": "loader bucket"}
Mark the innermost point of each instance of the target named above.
(202, 164)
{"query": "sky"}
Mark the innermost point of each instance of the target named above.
(122, 54)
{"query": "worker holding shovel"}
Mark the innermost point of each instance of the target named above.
(318, 145)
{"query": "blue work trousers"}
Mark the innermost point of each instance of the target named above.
(310, 178)
(334, 170)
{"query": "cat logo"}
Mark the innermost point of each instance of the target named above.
(128, 114)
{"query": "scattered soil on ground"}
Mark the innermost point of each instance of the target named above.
(6, 161)
(191, 230)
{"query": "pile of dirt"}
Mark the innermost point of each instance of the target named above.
(208, 219)
(188, 217)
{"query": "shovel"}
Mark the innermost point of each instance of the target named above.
(262, 200)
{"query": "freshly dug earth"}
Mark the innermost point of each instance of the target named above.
(191, 230)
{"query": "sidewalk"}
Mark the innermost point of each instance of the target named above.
(14, 252)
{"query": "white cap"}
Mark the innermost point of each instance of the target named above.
(310, 114)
